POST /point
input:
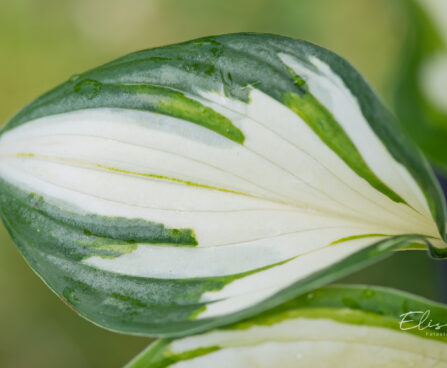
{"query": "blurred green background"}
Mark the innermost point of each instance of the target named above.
(44, 42)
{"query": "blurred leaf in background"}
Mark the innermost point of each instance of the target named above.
(44, 42)
(420, 92)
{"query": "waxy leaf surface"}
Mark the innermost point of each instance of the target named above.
(189, 186)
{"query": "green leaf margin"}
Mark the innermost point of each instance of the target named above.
(351, 304)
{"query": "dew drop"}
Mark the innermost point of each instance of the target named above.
(88, 88)
(369, 293)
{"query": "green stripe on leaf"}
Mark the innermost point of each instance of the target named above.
(329, 130)
(90, 93)
(33, 214)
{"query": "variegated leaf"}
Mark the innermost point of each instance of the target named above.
(421, 75)
(338, 326)
(189, 186)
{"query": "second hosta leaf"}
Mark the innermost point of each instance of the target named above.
(335, 326)
(189, 186)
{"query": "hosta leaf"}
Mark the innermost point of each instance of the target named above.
(337, 326)
(421, 76)
(189, 186)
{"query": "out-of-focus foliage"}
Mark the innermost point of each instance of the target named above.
(420, 95)
(43, 42)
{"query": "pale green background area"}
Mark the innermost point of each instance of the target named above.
(44, 42)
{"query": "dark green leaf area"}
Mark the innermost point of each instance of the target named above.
(374, 300)
(54, 245)
(58, 231)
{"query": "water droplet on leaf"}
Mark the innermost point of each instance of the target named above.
(369, 293)
(88, 88)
